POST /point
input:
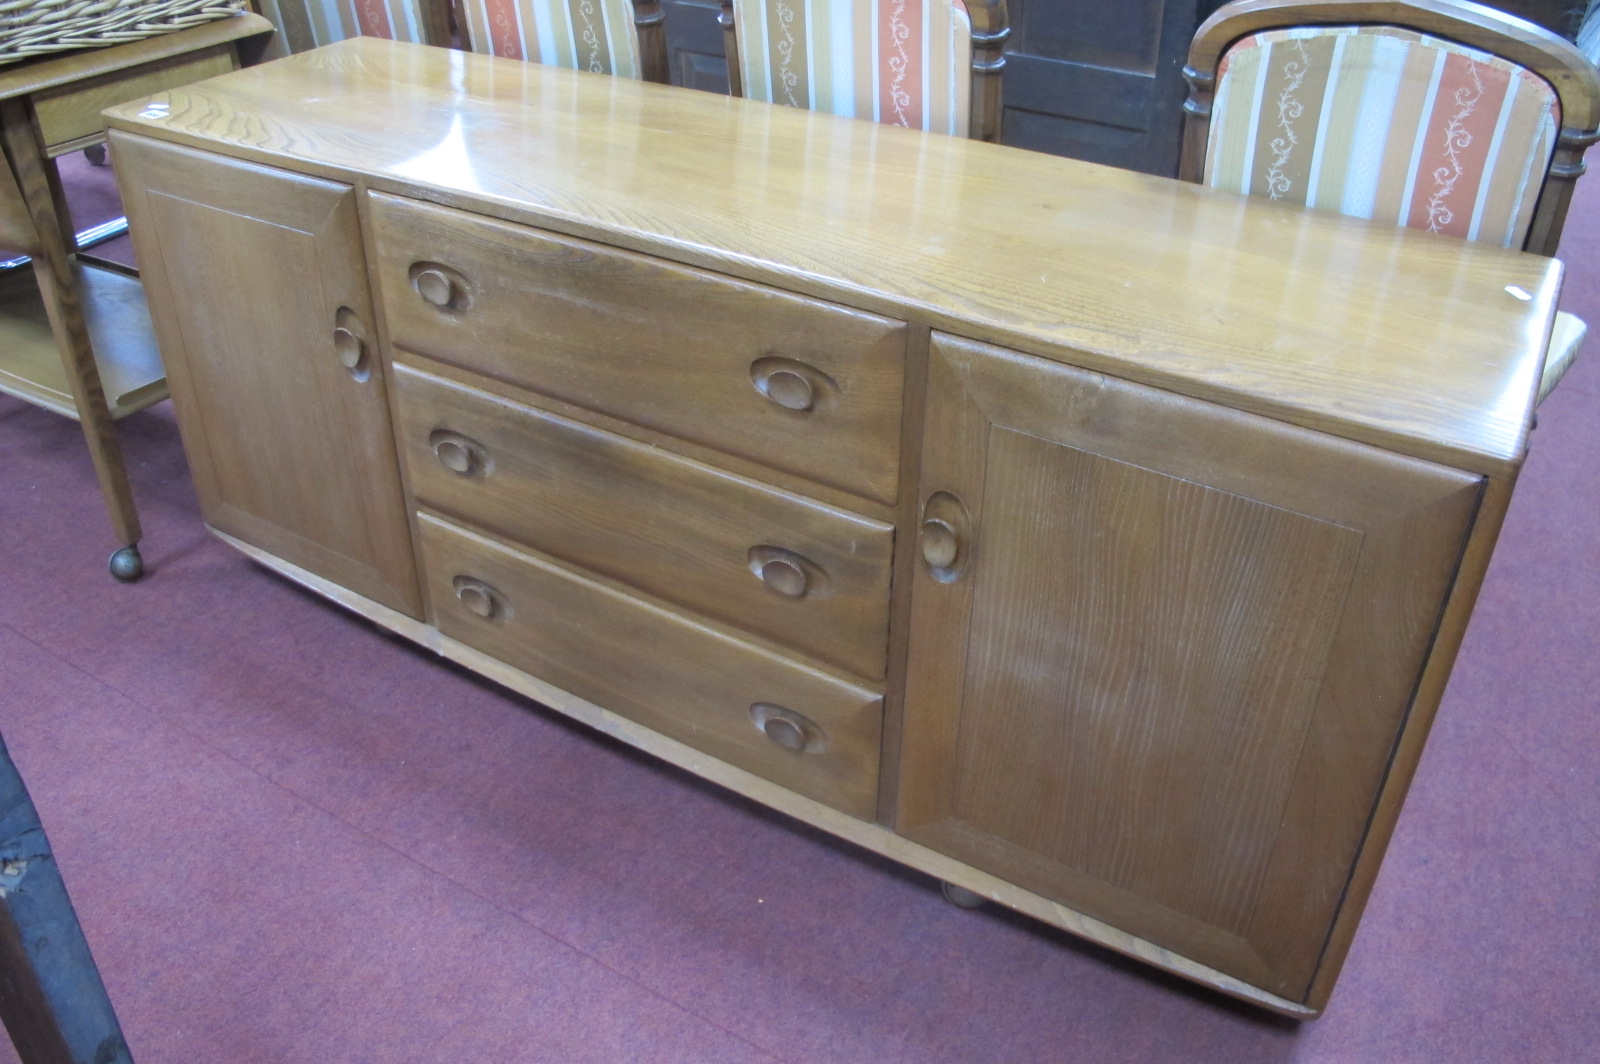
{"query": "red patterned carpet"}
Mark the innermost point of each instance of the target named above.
(292, 839)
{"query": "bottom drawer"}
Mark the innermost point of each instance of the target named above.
(786, 722)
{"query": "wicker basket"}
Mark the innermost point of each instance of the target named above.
(37, 27)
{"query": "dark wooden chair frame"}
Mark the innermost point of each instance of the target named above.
(990, 28)
(1569, 72)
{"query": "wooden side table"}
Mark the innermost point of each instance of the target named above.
(74, 337)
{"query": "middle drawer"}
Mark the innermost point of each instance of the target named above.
(805, 575)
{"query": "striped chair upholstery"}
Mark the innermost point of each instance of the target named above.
(902, 62)
(306, 24)
(595, 35)
(1384, 123)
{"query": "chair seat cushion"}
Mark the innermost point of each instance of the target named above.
(1565, 340)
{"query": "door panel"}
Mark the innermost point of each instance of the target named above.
(1101, 82)
(1162, 677)
(257, 288)
(694, 45)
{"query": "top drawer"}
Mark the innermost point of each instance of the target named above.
(798, 384)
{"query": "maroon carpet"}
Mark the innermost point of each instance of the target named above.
(293, 839)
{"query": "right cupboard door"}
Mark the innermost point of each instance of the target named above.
(1161, 651)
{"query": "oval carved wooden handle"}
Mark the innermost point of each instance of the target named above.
(790, 383)
(793, 731)
(940, 547)
(945, 537)
(789, 574)
(350, 344)
(784, 577)
(791, 390)
(440, 286)
(480, 598)
(348, 348)
(462, 455)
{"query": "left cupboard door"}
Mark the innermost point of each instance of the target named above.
(258, 290)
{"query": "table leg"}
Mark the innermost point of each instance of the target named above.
(41, 191)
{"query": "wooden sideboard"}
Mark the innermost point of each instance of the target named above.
(1096, 543)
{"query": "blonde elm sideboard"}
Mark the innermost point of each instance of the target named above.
(1093, 542)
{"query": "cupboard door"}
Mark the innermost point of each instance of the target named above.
(258, 290)
(1161, 651)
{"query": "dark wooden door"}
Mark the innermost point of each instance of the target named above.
(694, 45)
(1098, 81)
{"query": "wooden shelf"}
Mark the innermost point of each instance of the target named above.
(119, 328)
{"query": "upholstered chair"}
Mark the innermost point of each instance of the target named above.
(307, 24)
(1434, 114)
(926, 64)
(602, 36)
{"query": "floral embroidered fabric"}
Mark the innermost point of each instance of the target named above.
(1384, 123)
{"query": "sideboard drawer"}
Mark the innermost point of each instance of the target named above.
(793, 725)
(788, 568)
(795, 383)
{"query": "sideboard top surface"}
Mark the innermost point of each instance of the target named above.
(1403, 339)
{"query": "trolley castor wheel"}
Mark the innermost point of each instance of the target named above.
(961, 897)
(96, 154)
(127, 565)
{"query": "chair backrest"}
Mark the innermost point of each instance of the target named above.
(306, 24)
(622, 37)
(926, 64)
(1435, 114)
(601, 36)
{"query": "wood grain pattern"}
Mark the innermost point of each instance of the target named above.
(53, 272)
(131, 374)
(657, 668)
(45, 107)
(648, 342)
(904, 562)
(1396, 338)
(246, 32)
(16, 225)
(743, 467)
(250, 269)
(643, 516)
(72, 112)
(1463, 593)
(1180, 678)
(869, 836)
(1152, 668)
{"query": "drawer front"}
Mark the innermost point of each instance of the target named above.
(797, 384)
(797, 727)
(790, 569)
(72, 112)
